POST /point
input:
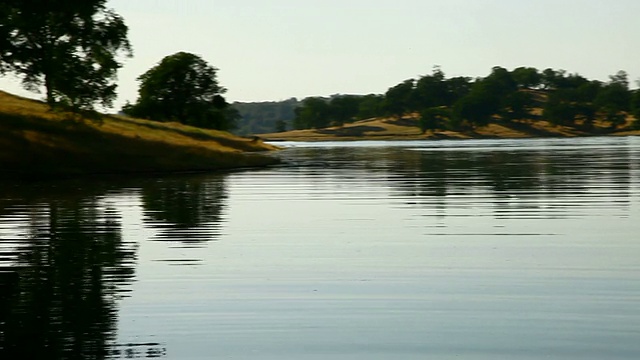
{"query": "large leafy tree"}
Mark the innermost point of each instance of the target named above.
(183, 88)
(314, 112)
(526, 77)
(614, 98)
(344, 108)
(70, 47)
(635, 108)
(400, 98)
(431, 90)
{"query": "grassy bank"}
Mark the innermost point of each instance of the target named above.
(35, 141)
(407, 128)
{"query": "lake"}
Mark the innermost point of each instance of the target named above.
(478, 249)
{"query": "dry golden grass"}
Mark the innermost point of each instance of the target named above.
(37, 141)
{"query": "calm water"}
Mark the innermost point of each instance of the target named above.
(484, 249)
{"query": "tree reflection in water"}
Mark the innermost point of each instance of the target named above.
(186, 210)
(58, 299)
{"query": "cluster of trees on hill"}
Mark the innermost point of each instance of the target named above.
(72, 48)
(462, 102)
(264, 117)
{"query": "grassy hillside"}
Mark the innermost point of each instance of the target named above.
(36, 141)
(407, 128)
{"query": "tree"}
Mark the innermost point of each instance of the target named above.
(560, 109)
(615, 98)
(398, 99)
(500, 82)
(477, 108)
(370, 106)
(280, 125)
(313, 113)
(344, 108)
(457, 88)
(431, 90)
(68, 46)
(182, 88)
(433, 118)
(517, 105)
(526, 77)
(485, 99)
(635, 108)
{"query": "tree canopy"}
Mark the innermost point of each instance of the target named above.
(437, 102)
(68, 46)
(183, 87)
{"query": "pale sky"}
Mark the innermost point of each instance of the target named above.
(278, 49)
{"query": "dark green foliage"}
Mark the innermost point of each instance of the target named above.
(457, 88)
(526, 77)
(183, 88)
(370, 106)
(559, 109)
(517, 105)
(281, 125)
(635, 108)
(313, 113)
(344, 109)
(434, 118)
(400, 98)
(68, 46)
(499, 82)
(487, 97)
(265, 117)
(614, 98)
(431, 91)
(503, 95)
(477, 108)
(317, 112)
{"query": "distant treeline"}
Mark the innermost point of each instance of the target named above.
(457, 103)
(264, 117)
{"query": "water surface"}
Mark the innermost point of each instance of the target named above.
(483, 249)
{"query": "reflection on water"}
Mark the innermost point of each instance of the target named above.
(186, 211)
(64, 267)
(479, 249)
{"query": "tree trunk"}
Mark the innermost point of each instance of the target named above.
(48, 83)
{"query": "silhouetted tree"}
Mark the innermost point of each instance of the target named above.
(399, 99)
(183, 88)
(517, 105)
(370, 106)
(68, 46)
(614, 99)
(344, 108)
(477, 108)
(457, 88)
(635, 108)
(431, 91)
(313, 113)
(434, 118)
(526, 77)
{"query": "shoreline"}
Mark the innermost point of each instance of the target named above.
(407, 129)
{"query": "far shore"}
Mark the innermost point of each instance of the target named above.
(406, 128)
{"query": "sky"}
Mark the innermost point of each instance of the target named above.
(270, 50)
